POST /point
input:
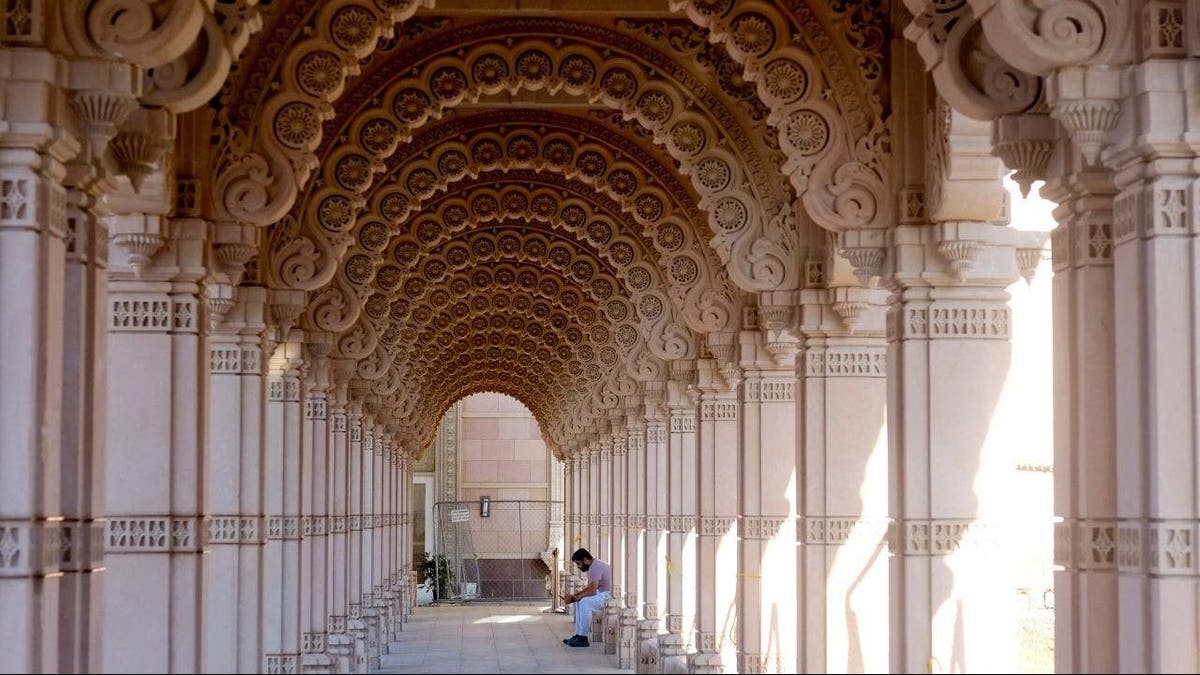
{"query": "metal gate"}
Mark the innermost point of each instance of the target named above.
(496, 550)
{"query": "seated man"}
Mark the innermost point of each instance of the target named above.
(591, 598)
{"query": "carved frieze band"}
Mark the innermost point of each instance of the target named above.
(756, 663)
(313, 526)
(337, 624)
(716, 526)
(675, 623)
(933, 536)
(1081, 244)
(313, 643)
(231, 359)
(283, 388)
(683, 524)
(683, 422)
(315, 409)
(656, 522)
(656, 433)
(833, 530)
(769, 390)
(148, 313)
(707, 642)
(974, 322)
(235, 530)
(846, 362)
(1161, 547)
(154, 534)
(283, 664)
(762, 527)
(718, 411)
(1156, 211)
(283, 527)
(37, 547)
(337, 422)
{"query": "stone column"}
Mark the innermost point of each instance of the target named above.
(378, 572)
(33, 224)
(635, 524)
(281, 555)
(387, 548)
(767, 555)
(654, 494)
(370, 610)
(593, 542)
(614, 512)
(84, 361)
(718, 448)
(1155, 317)
(948, 353)
(1085, 414)
(158, 396)
(339, 642)
(842, 460)
(314, 468)
(233, 566)
(354, 535)
(681, 554)
(604, 501)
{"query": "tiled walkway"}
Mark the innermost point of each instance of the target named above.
(492, 638)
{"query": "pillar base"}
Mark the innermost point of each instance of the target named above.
(612, 624)
(627, 647)
(647, 646)
(707, 663)
(283, 663)
(672, 654)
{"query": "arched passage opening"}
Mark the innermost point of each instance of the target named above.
(492, 517)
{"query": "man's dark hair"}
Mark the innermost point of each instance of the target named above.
(581, 554)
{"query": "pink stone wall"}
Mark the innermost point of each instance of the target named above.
(501, 451)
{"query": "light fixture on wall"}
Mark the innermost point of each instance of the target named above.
(485, 507)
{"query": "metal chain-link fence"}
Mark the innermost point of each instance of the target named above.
(497, 550)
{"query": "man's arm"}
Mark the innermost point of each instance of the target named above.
(590, 589)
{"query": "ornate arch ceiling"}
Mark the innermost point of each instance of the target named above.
(567, 61)
(616, 190)
(422, 165)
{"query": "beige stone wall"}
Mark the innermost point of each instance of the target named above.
(502, 453)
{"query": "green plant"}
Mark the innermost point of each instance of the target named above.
(435, 570)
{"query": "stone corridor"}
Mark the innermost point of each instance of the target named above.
(491, 638)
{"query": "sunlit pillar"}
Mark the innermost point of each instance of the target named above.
(370, 611)
(842, 462)
(767, 468)
(948, 355)
(654, 493)
(281, 554)
(635, 514)
(339, 641)
(682, 484)
(1085, 464)
(1156, 310)
(84, 408)
(157, 416)
(314, 467)
(718, 449)
(354, 534)
(33, 228)
(616, 539)
(604, 499)
(593, 539)
(233, 565)
(635, 523)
